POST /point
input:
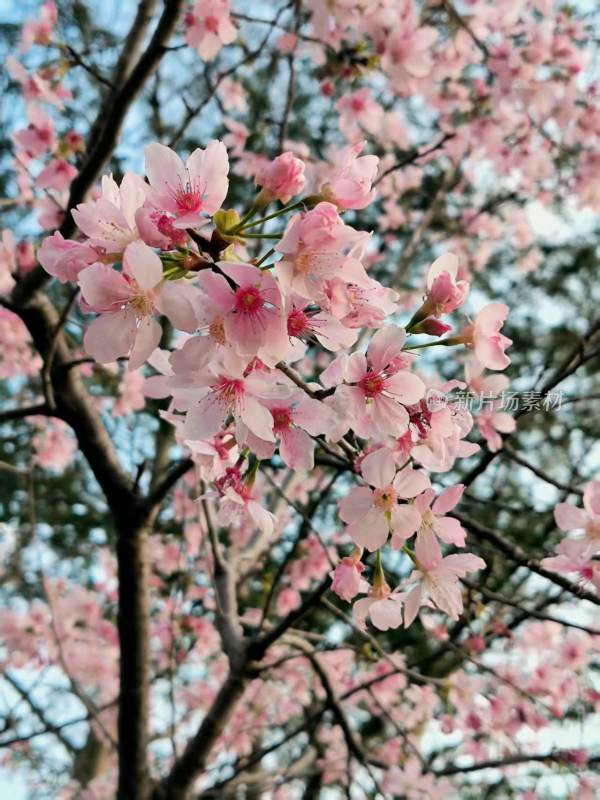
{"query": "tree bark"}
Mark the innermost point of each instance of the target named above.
(132, 546)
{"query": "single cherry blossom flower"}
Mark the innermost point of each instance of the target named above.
(317, 245)
(574, 557)
(239, 502)
(492, 423)
(191, 192)
(127, 301)
(294, 418)
(372, 514)
(110, 221)
(38, 137)
(209, 27)
(484, 337)
(347, 580)
(586, 519)
(250, 310)
(64, 258)
(57, 174)
(228, 390)
(377, 387)
(348, 181)
(437, 578)
(432, 512)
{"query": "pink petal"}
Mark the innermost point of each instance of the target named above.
(448, 499)
(450, 530)
(257, 418)
(147, 340)
(410, 482)
(103, 288)
(176, 301)
(297, 449)
(591, 498)
(164, 168)
(386, 613)
(569, 518)
(406, 520)
(356, 505)
(406, 387)
(142, 263)
(428, 550)
(370, 532)
(379, 468)
(205, 418)
(412, 604)
(110, 336)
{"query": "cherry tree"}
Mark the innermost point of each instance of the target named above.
(300, 344)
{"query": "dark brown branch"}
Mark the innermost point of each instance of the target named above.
(414, 156)
(520, 557)
(190, 765)
(21, 413)
(105, 132)
(557, 756)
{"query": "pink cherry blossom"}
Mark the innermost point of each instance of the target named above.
(348, 181)
(432, 512)
(485, 338)
(573, 557)
(382, 607)
(347, 580)
(444, 292)
(586, 519)
(110, 221)
(372, 514)
(190, 192)
(228, 390)
(127, 301)
(358, 113)
(34, 87)
(294, 418)
(282, 178)
(316, 246)
(492, 423)
(38, 137)
(378, 386)
(209, 27)
(239, 502)
(39, 31)
(8, 262)
(438, 578)
(251, 309)
(64, 258)
(305, 324)
(57, 175)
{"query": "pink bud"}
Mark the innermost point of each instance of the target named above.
(347, 578)
(282, 178)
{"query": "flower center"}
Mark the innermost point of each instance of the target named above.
(189, 197)
(385, 498)
(142, 304)
(297, 323)
(282, 418)
(216, 330)
(304, 262)
(229, 389)
(248, 300)
(372, 384)
(211, 24)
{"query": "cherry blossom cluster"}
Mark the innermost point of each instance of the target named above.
(145, 256)
(578, 555)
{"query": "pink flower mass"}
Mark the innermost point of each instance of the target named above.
(284, 512)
